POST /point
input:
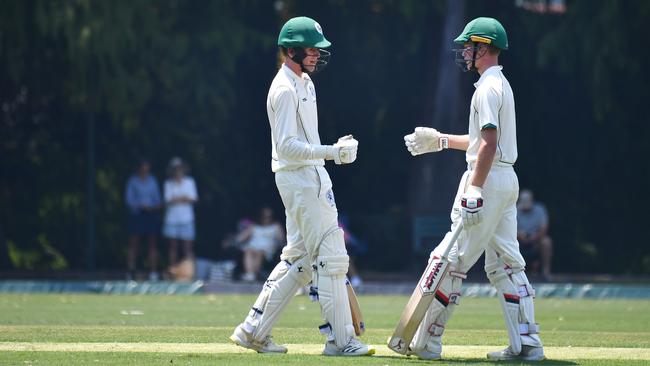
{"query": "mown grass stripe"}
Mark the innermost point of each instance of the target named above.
(450, 351)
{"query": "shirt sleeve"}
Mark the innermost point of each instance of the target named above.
(191, 190)
(156, 192)
(130, 196)
(167, 192)
(544, 215)
(289, 145)
(488, 105)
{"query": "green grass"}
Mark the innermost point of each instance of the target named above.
(190, 320)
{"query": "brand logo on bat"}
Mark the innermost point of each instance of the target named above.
(429, 280)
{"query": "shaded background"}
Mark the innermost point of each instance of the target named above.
(87, 87)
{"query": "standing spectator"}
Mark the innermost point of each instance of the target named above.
(180, 195)
(532, 233)
(262, 240)
(142, 196)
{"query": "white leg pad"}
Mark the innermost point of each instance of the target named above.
(516, 298)
(528, 329)
(333, 296)
(279, 289)
(429, 334)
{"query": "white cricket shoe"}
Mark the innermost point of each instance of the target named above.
(246, 340)
(505, 354)
(354, 347)
(425, 354)
(528, 353)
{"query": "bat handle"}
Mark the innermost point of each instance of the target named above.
(452, 240)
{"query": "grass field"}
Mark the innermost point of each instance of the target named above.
(193, 330)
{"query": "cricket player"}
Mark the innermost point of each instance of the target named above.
(485, 201)
(315, 249)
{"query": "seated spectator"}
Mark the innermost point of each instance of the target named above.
(142, 196)
(262, 241)
(355, 248)
(532, 233)
(232, 246)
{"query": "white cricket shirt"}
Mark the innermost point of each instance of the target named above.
(493, 104)
(293, 116)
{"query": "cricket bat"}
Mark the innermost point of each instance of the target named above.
(422, 297)
(355, 309)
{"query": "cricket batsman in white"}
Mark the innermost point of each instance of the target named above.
(485, 201)
(315, 249)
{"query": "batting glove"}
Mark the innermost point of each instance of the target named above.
(425, 140)
(471, 206)
(347, 150)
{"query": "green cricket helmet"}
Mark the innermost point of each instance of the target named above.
(480, 30)
(303, 32)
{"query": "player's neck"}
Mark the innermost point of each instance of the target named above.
(486, 64)
(293, 67)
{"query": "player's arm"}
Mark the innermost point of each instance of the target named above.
(486, 150)
(488, 105)
(457, 142)
(425, 140)
(286, 129)
(291, 147)
(471, 201)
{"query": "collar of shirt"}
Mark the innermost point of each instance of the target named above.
(490, 70)
(297, 79)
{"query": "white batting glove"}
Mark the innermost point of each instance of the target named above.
(425, 140)
(347, 150)
(471, 210)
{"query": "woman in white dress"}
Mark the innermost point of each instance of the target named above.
(262, 240)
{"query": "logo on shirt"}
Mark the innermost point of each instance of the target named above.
(329, 196)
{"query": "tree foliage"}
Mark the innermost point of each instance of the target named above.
(189, 78)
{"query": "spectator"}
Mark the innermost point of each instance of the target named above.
(180, 196)
(355, 248)
(532, 233)
(262, 240)
(142, 196)
(232, 246)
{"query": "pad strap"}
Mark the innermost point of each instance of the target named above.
(526, 290)
(313, 293)
(528, 328)
(326, 330)
(456, 274)
(436, 330)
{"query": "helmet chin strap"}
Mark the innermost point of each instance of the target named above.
(321, 62)
(299, 57)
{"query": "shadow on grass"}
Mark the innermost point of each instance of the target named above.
(470, 361)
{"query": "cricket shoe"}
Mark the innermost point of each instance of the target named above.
(528, 353)
(424, 354)
(354, 347)
(246, 340)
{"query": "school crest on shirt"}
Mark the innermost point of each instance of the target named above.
(329, 196)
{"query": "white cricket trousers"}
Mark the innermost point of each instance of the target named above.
(497, 234)
(311, 213)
